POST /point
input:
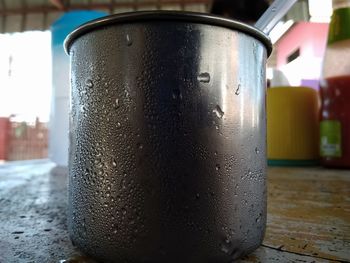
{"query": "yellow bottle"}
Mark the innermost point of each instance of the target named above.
(292, 126)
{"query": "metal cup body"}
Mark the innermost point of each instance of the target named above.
(167, 158)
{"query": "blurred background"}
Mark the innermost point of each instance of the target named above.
(34, 78)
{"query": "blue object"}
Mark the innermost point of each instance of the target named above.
(69, 21)
(59, 120)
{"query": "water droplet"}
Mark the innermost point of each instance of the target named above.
(89, 83)
(238, 90)
(255, 48)
(197, 195)
(176, 94)
(117, 103)
(82, 108)
(203, 77)
(74, 258)
(218, 111)
(118, 125)
(258, 218)
(257, 150)
(114, 163)
(236, 190)
(128, 40)
(217, 167)
(139, 146)
(225, 246)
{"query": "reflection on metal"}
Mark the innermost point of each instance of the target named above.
(159, 103)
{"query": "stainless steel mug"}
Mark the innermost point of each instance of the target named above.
(167, 159)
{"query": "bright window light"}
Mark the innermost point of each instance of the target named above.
(25, 75)
(320, 10)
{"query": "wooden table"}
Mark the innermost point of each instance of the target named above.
(308, 216)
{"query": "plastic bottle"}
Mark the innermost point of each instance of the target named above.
(335, 90)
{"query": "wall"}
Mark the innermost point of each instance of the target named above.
(311, 39)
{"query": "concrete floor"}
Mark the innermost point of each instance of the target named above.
(32, 214)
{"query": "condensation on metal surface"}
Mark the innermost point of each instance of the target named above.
(166, 120)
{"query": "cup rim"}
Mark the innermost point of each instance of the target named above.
(184, 16)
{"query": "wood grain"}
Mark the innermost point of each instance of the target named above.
(309, 212)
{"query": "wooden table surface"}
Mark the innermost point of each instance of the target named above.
(308, 216)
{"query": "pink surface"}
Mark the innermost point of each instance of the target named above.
(310, 37)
